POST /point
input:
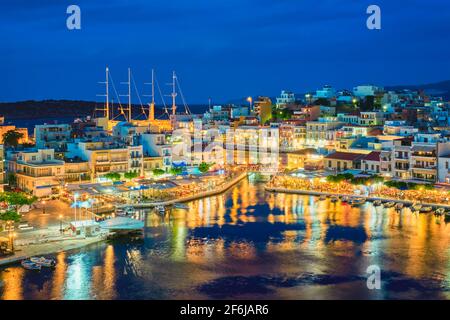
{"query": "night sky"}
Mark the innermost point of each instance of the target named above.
(221, 49)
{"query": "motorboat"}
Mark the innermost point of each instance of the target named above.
(44, 262)
(389, 204)
(160, 209)
(358, 201)
(426, 209)
(377, 203)
(181, 206)
(439, 211)
(322, 197)
(416, 207)
(334, 199)
(30, 265)
(345, 199)
(399, 206)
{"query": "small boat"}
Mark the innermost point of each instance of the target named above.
(377, 203)
(416, 207)
(334, 199)
(44, 262)
(389, 204)
(439, 211)
(345, 199)
(426, 209)
(29, 265)
(358, 201)
(398, 206)
(181, 206)
(160, 209)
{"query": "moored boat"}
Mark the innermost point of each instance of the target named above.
(426, 209)
(358, 201)
(181, 206)
(322, 197)
(377, 203)
(345, 199)
(44, 262)
(399, 206)
(389, 204)
(334, 199)
(416, 207)
(29, 265)
(439, 211)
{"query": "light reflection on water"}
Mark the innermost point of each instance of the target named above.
(250, 244)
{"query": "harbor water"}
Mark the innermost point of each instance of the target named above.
(250, 244)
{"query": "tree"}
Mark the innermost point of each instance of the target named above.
(176, 170)
(11, 138)
(204, 167)
(158, 172)
(11, 179)
(10, 215)
(130, 175)
(114, 176)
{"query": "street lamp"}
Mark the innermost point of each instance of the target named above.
(60, 223)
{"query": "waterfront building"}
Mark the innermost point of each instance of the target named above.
(371, 162)
(152, 163)
(158, 146)
(76, 170)
(36, 170)
(107, 156)
(308, 159)
(342, 161)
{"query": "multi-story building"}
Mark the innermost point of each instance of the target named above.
(285, 98)
(37, 171)
(371, 118)
(157, 145)
(342, 161)
(320, 133)
(327, 92)
(52, 136)
(107, 156)
(263, 109)
(366, 90)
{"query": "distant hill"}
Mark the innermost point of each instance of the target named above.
(32, 109)
(434, 89)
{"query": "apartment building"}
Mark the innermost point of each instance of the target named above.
(158, 145)
(107, 156)
(320, 133)
(37, 171)
(52, 136)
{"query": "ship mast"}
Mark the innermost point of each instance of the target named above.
(174, 93)
(107, 93)
(128, 95)
(105, 109)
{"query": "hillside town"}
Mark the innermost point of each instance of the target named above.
(105, 164)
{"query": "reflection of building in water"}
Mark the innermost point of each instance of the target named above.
(12, 284)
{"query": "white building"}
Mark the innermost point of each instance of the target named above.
(366, 90)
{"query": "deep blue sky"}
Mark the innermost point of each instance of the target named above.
(224, 49)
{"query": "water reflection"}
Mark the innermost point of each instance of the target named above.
(250, 244)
